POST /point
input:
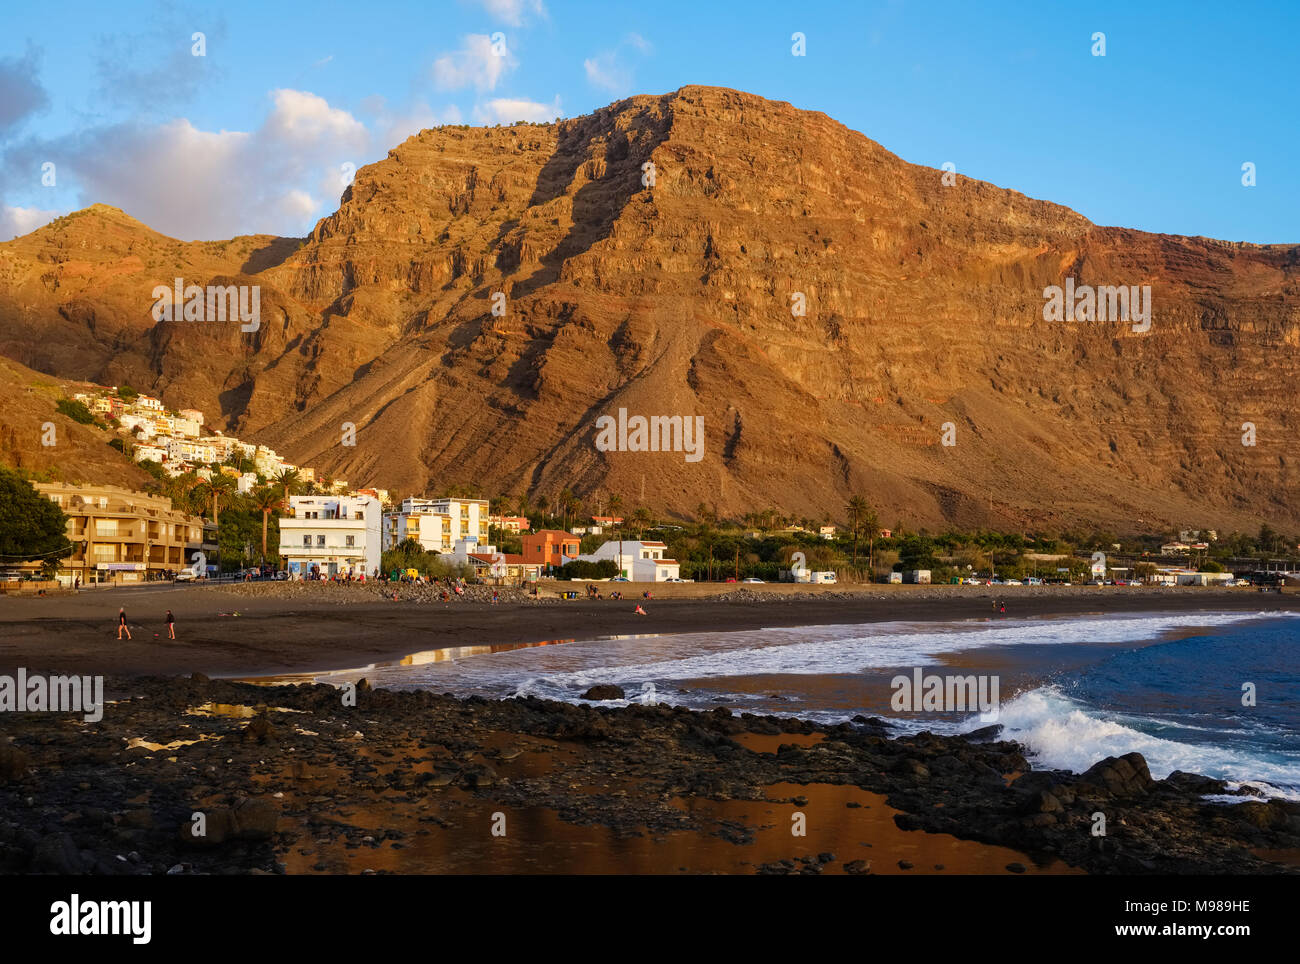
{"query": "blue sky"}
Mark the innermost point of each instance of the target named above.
(253, 136)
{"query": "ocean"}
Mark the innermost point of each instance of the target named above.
(1073, 690)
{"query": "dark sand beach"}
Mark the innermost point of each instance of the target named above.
(293, 779)
(269, 629)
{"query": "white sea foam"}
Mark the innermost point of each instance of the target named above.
(1064, 734)
(1060, 732)
(562, 672)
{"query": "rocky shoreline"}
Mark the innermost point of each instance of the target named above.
(291, 779)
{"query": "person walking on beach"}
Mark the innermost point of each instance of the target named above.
(121, 623)
(171, 625)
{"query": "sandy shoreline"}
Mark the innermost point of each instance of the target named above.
(314, 628)
(295, 780)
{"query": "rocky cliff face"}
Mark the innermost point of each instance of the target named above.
(923, 319)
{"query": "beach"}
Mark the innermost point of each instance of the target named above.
(279, 628)
(295, 779)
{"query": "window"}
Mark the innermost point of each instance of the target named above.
(320, 541)
(360, 514)
(306, 542)
(351, 540)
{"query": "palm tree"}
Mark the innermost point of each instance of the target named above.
(642, 518)
(267, 500)
(857, 509)
(523, 504)
(288, 480)
(871, 522)
(220, 486)
(615, 503)
(568, 506)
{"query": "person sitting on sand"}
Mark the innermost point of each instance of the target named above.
(640, 611)
(171, 625)
(121, 623)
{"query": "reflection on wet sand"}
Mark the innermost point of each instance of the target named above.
(448, 830)
(445, 654)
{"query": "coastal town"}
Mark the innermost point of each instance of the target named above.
(214, 490)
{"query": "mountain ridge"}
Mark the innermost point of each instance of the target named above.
(923, 302)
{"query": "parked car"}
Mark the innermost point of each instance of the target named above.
(677, 579)
(280, 576)
(1014, 582)
(186, 575)
(752, 579)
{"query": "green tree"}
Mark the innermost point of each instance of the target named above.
(267, 501)
(77, 411)
(289, 482)
(31, 526)
(858, 508)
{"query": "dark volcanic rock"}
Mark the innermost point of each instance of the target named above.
(604, 691)
(13, 762)
(1123, 776)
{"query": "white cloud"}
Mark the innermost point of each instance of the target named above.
(476, 64)
(21, 94)
(297, 205)
(195, 184)
(610, 70)
(16, 221)
(513, 12)
(604, 71)
(301, 118)
(391, 128)
(506, 110)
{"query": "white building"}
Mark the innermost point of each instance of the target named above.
(150, 453)
(637, 561)
(133, 420)
(432, 530)
(331, 535)
(443, 522)
(222, 445)
(187, 427)
(149, 404)
(246, 483)
(185, 450)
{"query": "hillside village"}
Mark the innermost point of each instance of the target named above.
(221, 503)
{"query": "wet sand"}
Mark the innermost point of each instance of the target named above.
(276, 629)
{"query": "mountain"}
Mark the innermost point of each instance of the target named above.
(29, 418)
(924, 318)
